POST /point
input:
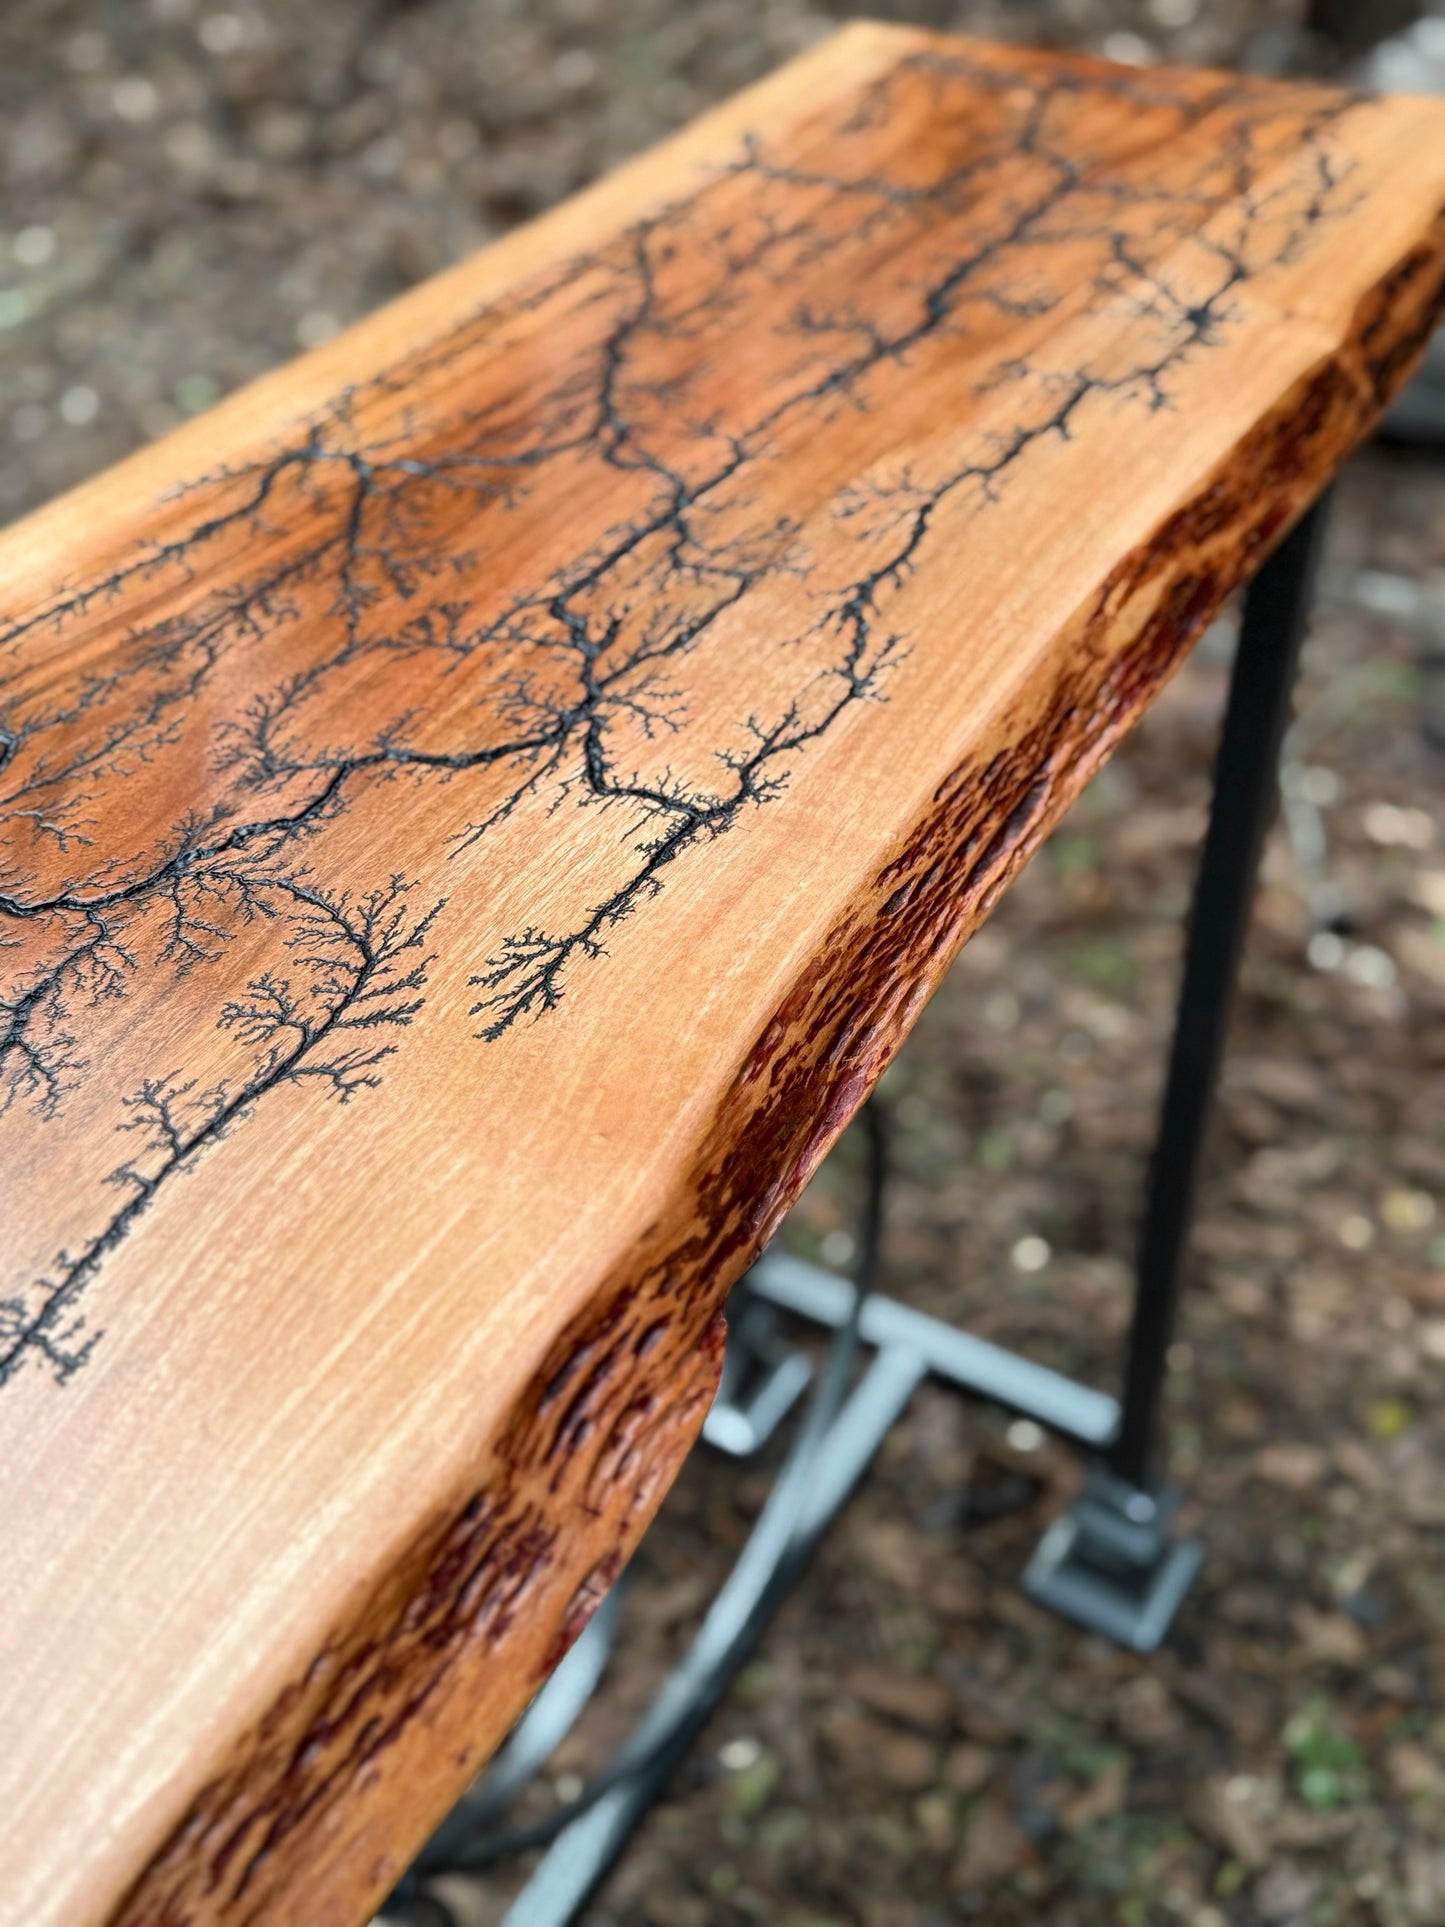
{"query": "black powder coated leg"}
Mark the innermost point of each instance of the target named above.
(1110, 1563)
(1245, 788)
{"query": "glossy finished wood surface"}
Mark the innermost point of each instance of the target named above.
(478, 809)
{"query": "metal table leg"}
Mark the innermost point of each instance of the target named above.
(1110, 1563)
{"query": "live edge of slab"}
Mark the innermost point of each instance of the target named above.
(477, 812)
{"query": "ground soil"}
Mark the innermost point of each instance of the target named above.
(190, 194)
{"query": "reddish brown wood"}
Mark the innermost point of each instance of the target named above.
(402, 1061)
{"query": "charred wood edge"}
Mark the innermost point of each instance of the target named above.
(315, 1808)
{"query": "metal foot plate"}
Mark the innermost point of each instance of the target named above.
(1110, 1566)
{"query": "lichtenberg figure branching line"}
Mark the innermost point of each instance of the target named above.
(345, 612)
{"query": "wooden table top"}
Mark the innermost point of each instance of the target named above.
(481, 806)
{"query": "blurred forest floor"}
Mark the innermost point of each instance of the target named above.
(191, 193)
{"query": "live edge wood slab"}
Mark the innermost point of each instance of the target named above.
(479, 810)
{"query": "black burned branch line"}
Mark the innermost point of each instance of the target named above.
(348, 613)
(355, 971)
(526, 977)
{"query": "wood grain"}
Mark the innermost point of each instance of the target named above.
(478, 810)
